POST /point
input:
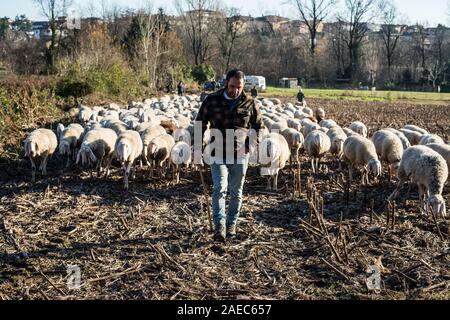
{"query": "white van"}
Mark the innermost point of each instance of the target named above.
(255, 81)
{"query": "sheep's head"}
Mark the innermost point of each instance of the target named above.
(394, 168)
(437, 204)
(86, 156)
(338, 146)
(375, 167)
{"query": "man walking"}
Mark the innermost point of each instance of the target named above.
(225, 109)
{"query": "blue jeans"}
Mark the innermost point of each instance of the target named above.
(227, 177)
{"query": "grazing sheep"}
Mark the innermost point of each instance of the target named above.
(97, 149)
(317, 144)
(295, 141)
(85, 114)
(405, 142)
(337, 138)
(159, 151)
(128, 148)
(349, 132)
(274, 153)
(443, 150)
(329, 123)
(319, 113)
(69, 139)
(415, 128)
(430, 138)
(309, 127)
(429, 171)
(147, 136)
(389, 148)
(278, 127)
(412, 136)
(181, 154)
(360, 151)
(39, 145)
(294, 124)
(359, 127)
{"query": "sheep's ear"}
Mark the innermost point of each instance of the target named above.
(59, 129)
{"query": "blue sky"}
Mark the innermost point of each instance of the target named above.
(431, 12)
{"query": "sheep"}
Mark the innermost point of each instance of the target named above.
(337, 138)
(85, 114)
(40, 144)
(317, 144)
(389, 148)
(181, 154)
(405, 142)
(415, 128)
(159, 151)
(359, 127)
(294, 124)
(97, 148)
(295, 141)
(328, 123)
(309, 127)
(147, 136)
(69, 139)
(428, 169)
(430, 138)
(443, 150)
(127, 149)
(319, 114)
(274, 153)
(278, 127)
(349, 132)
(360, 151)
(412, 136)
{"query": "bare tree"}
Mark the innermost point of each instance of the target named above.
(52, 9)
(438, 61)
(313, 13)
(357, 16)
(390, 34)
(230, 26)
(198, 17)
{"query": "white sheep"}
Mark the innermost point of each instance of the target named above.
(147, 136)
(361, 152)
(405, 142)
(158, 151)
(317, 144)
(319, 114)
(70, 139)
(39, 145)
(274, 153)
(429, 171)
(443, 150)
(295, 141)
(412, 136)
(329, 123)
(349, 132)
(359, 127)
(85, 114)
(430, 138)
(181, 154)
(128, 148)
(389, 148)
(97, 149)
(415, 128)
(309, 127)
(337, 138)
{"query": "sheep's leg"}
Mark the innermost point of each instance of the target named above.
(127, 167)
(423, 209)
(312, 165)
(268, 183)
(108, 161)
(68, 161)
(44, 163)
(350, 173)
(275, 182)
(33, 169)
(395, 193)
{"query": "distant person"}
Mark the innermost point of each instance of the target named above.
(180, 88)
(254, 92)
(300, 95)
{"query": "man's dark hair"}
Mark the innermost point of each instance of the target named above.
(235, 73)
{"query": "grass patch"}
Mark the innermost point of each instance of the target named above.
(362, 95)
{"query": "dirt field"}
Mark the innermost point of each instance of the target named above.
(154, 242)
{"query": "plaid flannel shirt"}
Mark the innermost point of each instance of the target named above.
(245, 115)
